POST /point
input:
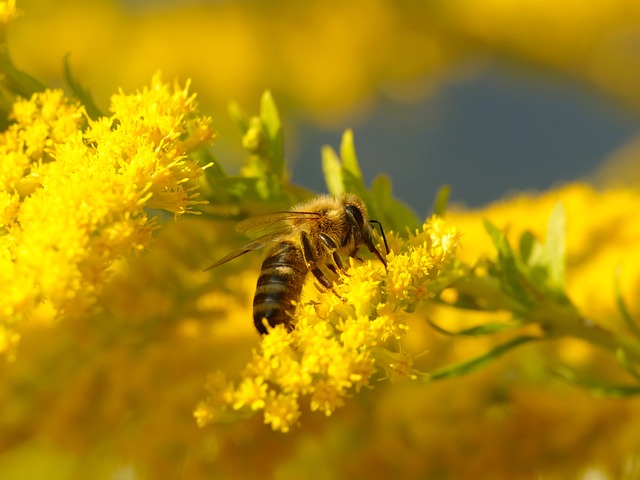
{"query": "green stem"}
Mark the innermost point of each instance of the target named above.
(566, 321)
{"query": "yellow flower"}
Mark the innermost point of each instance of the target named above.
(75, 191)
(334, 349)
(281, 411)
(251, 392)
(8, 12)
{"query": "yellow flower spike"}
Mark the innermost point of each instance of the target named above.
(221, 393)
(355, 334)
(82, 204)
(259, 366)
(276, 343)
(397, 365)
(281, 411)
(361, 288)
(362, 369)
(293, 377)
(252, 392)
(339, 339)
(326, 398)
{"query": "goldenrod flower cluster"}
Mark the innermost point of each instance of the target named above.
(75, 192)
(340, 342)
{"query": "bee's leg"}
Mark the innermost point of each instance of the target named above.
(333, 248)
(309, 258)
(354, 254)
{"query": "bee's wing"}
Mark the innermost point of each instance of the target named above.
(278, 225)
(275, 223)
(254, 245)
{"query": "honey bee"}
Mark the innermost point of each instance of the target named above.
(311, 237)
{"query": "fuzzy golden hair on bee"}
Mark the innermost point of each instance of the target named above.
(313, 237)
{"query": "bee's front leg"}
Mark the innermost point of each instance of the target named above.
(310, 258)
(333, 249)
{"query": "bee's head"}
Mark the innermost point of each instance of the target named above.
(357, 214)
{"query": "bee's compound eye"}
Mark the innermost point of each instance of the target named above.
(356, 213)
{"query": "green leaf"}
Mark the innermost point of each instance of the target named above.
(351, 175)
(79, 91)
(393, 213)
(273, 126)
(622, 306)
(597, 387)
(507, 270)
(17, 81)
(441, 200)
(527, 245)
(468, 366)
(623, 358)
(238, 115)
(344, 175)
(355, 185)
(348, 155)
(332, 171)
(555, 248)
(487, 329)
(207, 158)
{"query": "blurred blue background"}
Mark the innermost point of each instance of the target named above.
(501, 131)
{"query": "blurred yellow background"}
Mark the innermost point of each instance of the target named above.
(489, 95)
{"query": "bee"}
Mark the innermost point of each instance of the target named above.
(311, 237)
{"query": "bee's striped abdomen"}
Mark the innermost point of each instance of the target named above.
(280, 282)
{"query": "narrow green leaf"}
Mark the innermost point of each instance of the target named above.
(487, 329)
(271, 121)
(441, 200)
(623, 358)
(392, 213)
(507, 267)
(469, 366)
(555, 247)
(527, 245)
(355, 185)
(239, 117)
(214, 170)
(597, 387)
(344, 175)
(348, 156)
(622, 306)
(498, 238)
(17, 81)
(79, 91)
(332, 171)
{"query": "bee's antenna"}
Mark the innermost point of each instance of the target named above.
(384, 239)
